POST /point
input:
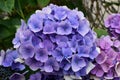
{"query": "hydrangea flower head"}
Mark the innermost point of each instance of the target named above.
(10, 60)
(107, 62)
(112, 22)
(57, 39)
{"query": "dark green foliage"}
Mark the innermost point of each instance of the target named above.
(7, 5)
(5, 73)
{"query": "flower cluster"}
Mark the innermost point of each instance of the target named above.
(10, 59)
(108, 61)
(112, 22)
(57, 39)
(9, 63)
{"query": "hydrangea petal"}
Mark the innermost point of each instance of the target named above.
(51, 64)
(41, 55)
(9, 58)
(98, 71)
(106, 65)
(58, 54)
(94, 52)
(83, 28)
(18, 66)
(101, 58)
(49, 27)
(81, 72)
(77, 63)
(35, 41)
(110, 74)
(116, 43)
(73, 18)
(48, 69)
(67, 52)
(64, 28)
(61, 41)
(48, 45)
(65, 65)
(33, 63)
(60, 13)
(26, 50)
(35, 24)
(83, 51)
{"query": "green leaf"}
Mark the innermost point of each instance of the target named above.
(18, 8)
(43, 3)
(32, 2)
(7, 31)
(8, 27)
(7, 5)
(101, 32)
(6, 37)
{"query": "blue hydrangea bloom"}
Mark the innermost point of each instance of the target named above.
(57, 39)
(9, 60)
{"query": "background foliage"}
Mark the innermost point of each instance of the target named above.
(12, 11)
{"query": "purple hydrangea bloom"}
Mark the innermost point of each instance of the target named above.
(112, 23)
(9, 60)
(107, 62)
(54, 38)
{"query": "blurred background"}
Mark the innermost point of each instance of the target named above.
(12, 11)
